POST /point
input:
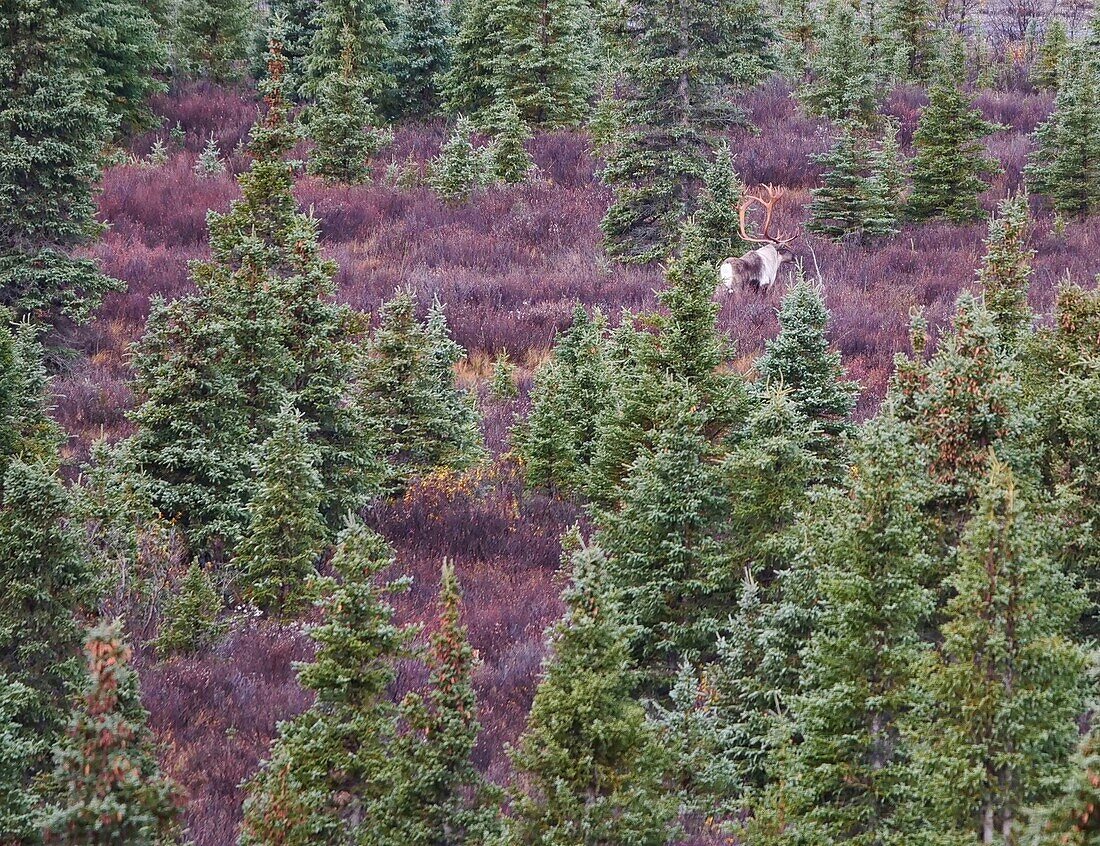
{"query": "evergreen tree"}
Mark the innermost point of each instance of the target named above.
(20, 749)
(424, 57)
(215, 368)
(1006, 270)
(511, 161)
(664, 560)
(1065, 165)
(438, 796)
(911, 29)
(112, 789)
(209, 162)
(371, 26)
(212, 37)
(277, 559)
(1062, 389)
(189, 621)
(544, 64)
(848, 779)
(799, 359)
(53, 125)
(342, 124)
(950, 159)
(460, 168)
(502, 384)
(681, 60)
(717, 215)
(1004, 689)
(1071, 818)
(843, 86)
(888, 176)
(557, 440)
(1052, 53)
(470, 84)
(298, 22)
(842, 205)
(588, 767)
(327, 771)
(128, 52)
(407, 388)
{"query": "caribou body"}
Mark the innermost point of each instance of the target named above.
(757, 268)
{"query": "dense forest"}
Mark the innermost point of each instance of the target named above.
(549, 422)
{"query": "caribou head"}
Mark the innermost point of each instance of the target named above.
(760, 266)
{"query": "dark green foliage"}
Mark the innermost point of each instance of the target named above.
(215, 368)
(681, 61)
(799, 360)
(664, 560)
(1071, 819)
(717, 215)
(407, 390)
(536, 54)
(127, 52)
(843, 86)
(1006, 270)
(911, 28)
(852, 201)
(298, 24)
(460, 167)
(112, 791)
(1004, 689)
(53, 125)
(20, 749)
(26, 429)
(950, 159)
(276, 561)
(511, 161)
(342, 122)
(1047, 67)
(212, 37)
(189, 621)
(371, 27)
(1062, 385)
(502, 383)
(437, 794)
(333, 758)
(588, 767)
(424, 57)
(557, 440)
(1065, 165)
(847, 780)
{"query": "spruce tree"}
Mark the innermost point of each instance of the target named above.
(1004, 689)
(407, 389)
(1006, 270)
(111, 788)
(664, 557)
(53, 125)
(681, 60)
(437, 794)
(372, 27)
(276, 561)
(511, 161)
(470, 84)
(842, 205)
(843, 86)
(215, 368)
(460, 168)
(128, 54)
(717, 215)
(342, 124)
(1065, 166)
(950, 158)
(298, 22)
(212, 37)
(556, 442)
(911, 29)
(1047, 66)
(20, 749)
(800, 360)
(1071, 818)
(424, 57)
(328, 767)
(848, 779)
(588, 766)
(189, 621)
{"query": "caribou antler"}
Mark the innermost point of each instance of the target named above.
(774, 196)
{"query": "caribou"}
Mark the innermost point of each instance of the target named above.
(757, 267)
